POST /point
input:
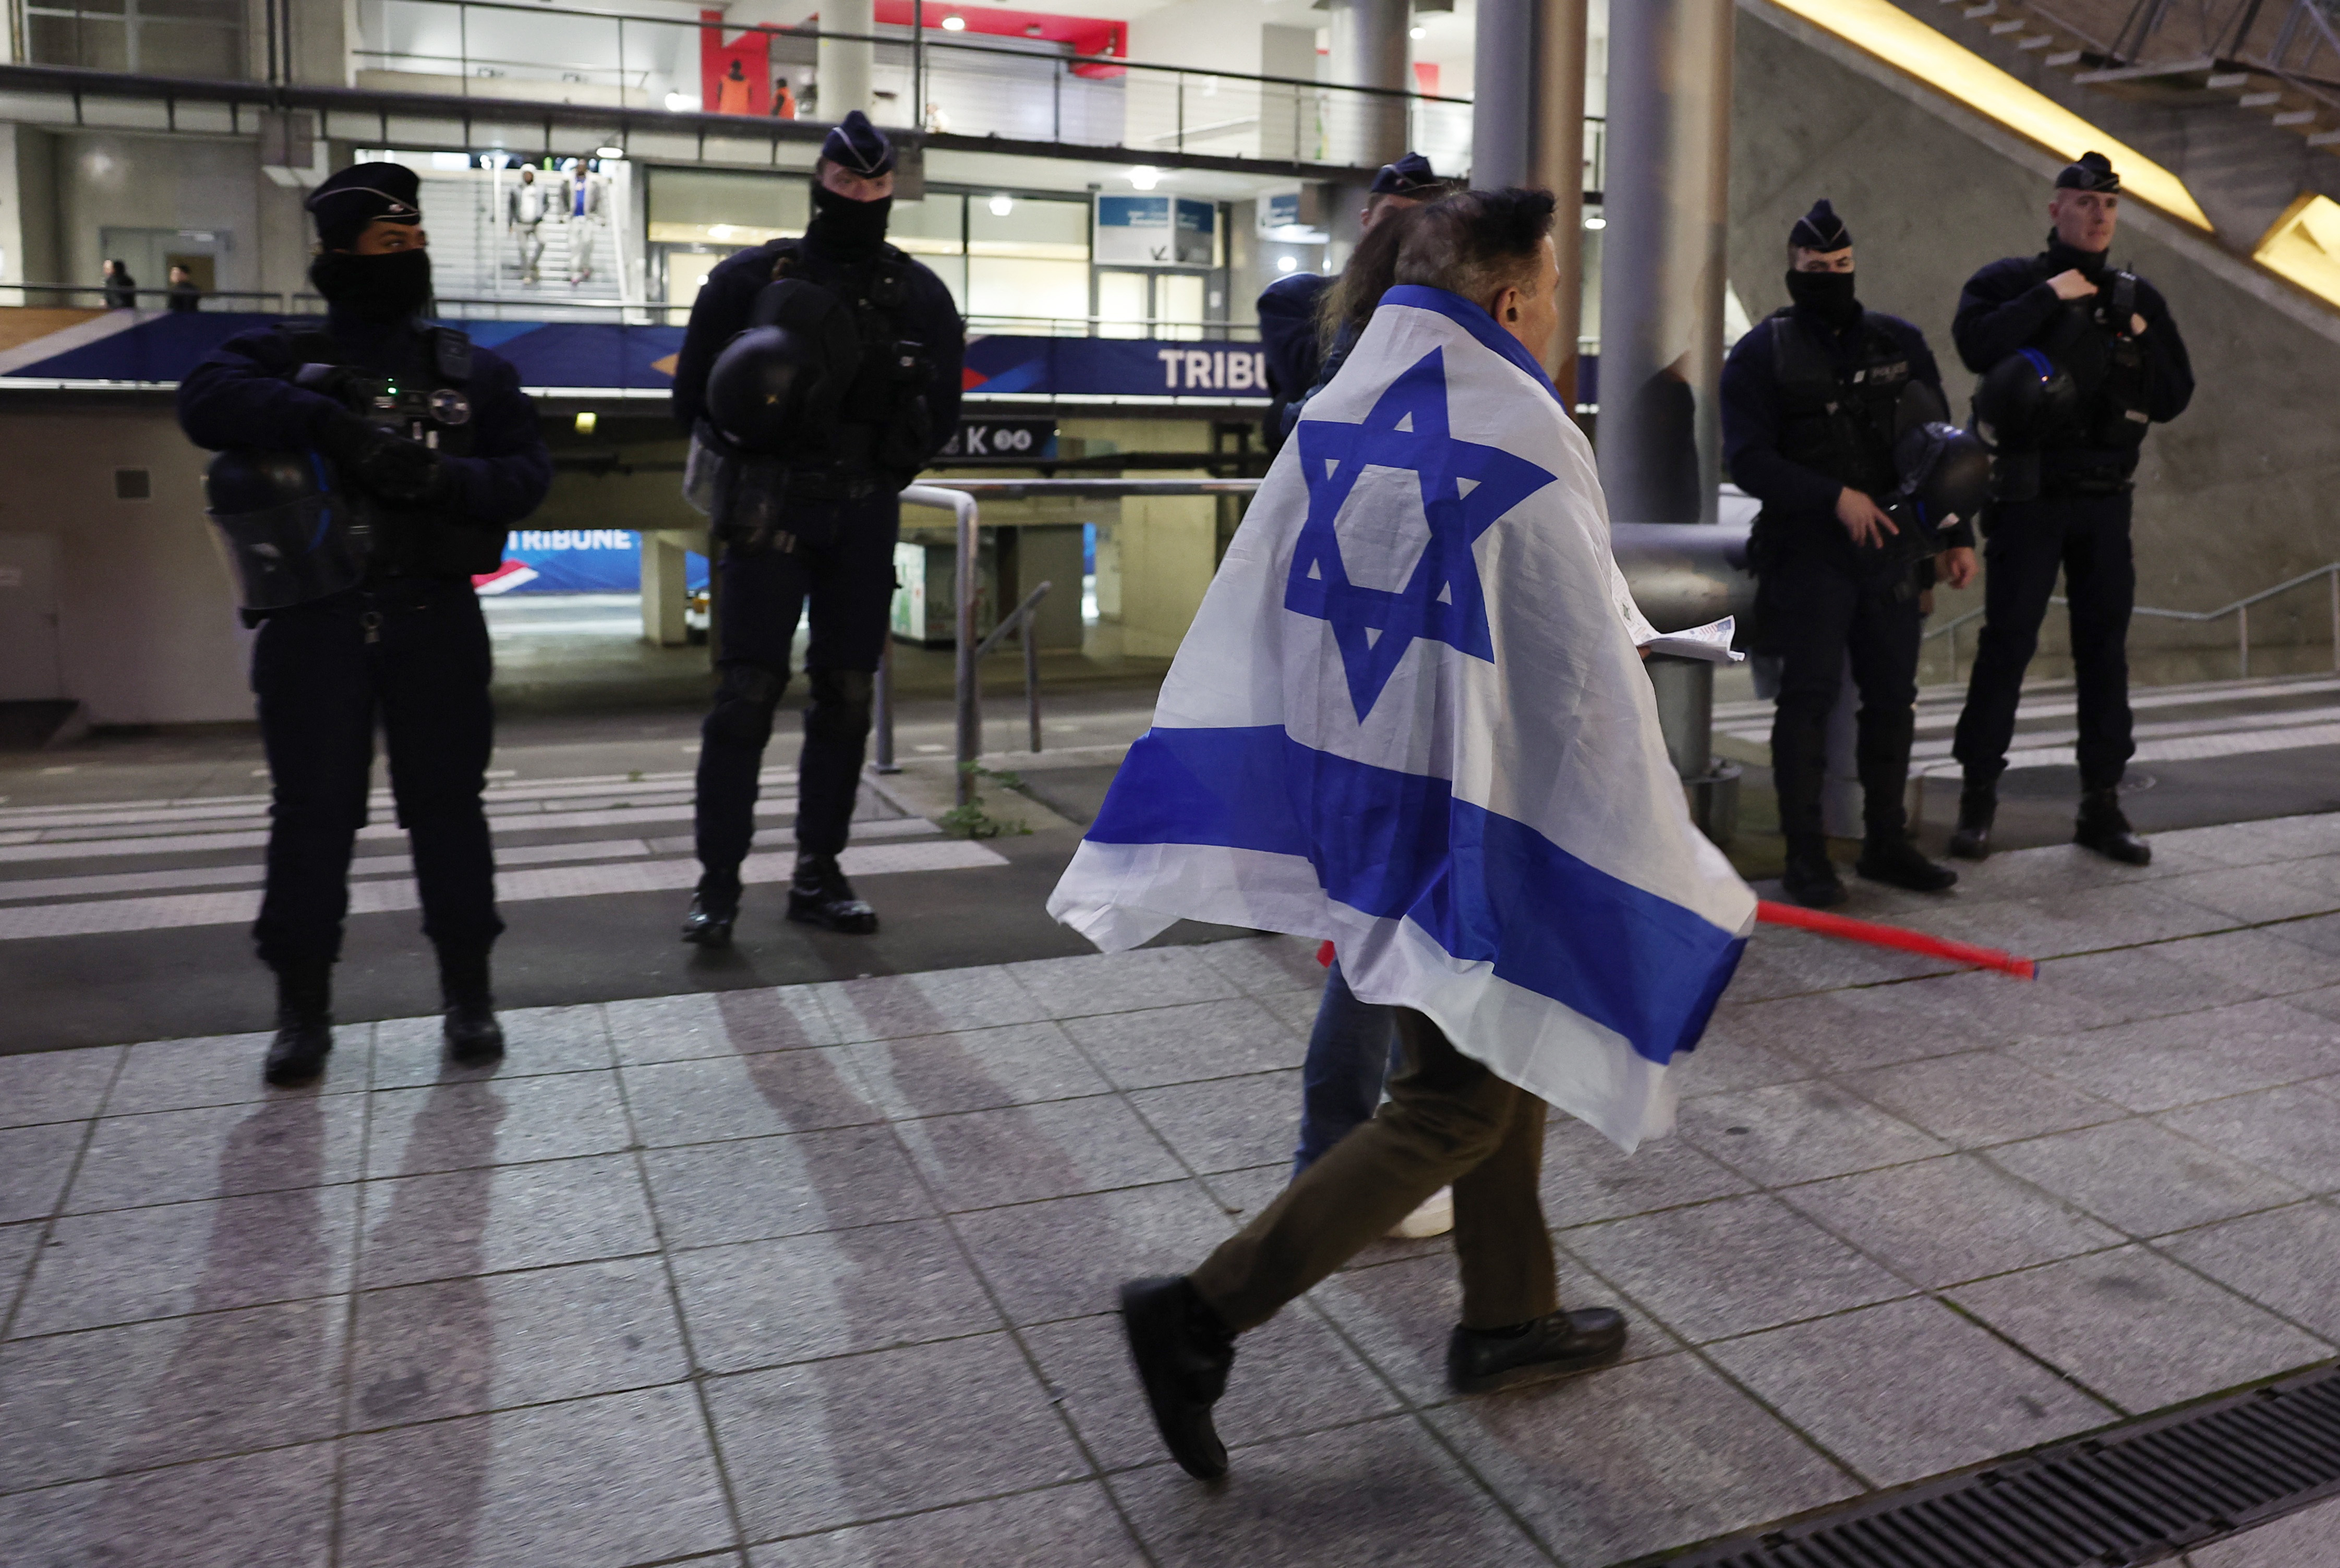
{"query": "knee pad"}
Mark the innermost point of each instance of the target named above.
(744, 704)
(841, 702)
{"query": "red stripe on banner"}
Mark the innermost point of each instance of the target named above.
(1907, 941)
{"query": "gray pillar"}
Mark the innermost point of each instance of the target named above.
(1369, 50)
(1527, 128)
(845, 65)
(1662, 258)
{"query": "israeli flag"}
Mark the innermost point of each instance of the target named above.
(1410, 717)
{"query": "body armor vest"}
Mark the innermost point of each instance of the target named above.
(1842, 415)
(424, 397)
(882, 424)
(2090, 337)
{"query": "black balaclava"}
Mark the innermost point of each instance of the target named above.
(841, 226)
(1827, 295)
(384, 288)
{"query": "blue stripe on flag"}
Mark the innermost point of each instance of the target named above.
(1485, 888)
(1472, 319)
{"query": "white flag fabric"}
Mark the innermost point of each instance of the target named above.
(1410, 717)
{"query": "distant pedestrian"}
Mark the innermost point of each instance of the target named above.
(733, 95)
(185, 293)
(784, 102)
(121, 288)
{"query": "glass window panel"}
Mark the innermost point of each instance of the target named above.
(952, 270)
(929, 228)
(686, 271)
(190, 49)
(1007, 286)
(716, 206)
(1124, 301)
(1055, 231)
(1178, 300)
(229, 12)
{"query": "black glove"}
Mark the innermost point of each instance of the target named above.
(383, 464)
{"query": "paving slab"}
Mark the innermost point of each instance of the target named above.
(1897, 1217)
(1075, 1523)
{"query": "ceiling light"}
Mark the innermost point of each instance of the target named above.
(608, 152)
(1287, 263)
(1596, 223)
(681, 103)
(1001, 204)
(954, 24)
(586, 419)
(1415, 33)
(1145, 177)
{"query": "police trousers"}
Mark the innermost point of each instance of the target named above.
(2087, 537)
(1811, 613)
(1448, 1122)
(409, 655)
(841, 566)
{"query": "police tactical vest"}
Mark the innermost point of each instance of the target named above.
(882, 422)
(2090, 338)
(1841, 414)
(424, 397)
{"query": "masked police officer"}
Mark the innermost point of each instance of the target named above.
(431, 452)
(2063, 321)
(1291, 325)
(1815, 401)
(818, 377)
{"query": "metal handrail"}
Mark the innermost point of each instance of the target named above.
(1020, 619)
(2240, 609)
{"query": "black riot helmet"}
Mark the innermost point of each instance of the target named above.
(778, 384)
(2022, 399)
(1945, 474)
(288, 530)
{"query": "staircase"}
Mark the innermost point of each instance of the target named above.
(475, 257)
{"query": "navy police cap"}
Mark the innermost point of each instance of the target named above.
(858, 147)
(1819, 230)
(359, 195)
(2093, 172)
(1411, 176)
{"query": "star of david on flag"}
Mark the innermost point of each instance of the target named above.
(1394, 504)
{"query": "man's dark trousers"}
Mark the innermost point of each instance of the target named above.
(410, 655)
(843, 565)
(1813, 611)
(2088, 538)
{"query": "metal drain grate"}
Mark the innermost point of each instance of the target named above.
(2142, 1492)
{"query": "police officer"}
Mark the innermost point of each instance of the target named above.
(1815, 400)
(433, 451)
(1290, 329)
(812, 512)
(2064, 502)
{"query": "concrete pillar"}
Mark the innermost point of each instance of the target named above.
(1667, 203)
(1370, 48)
(845, 65)
(1527, 128)
(1167, 552)
(666, 590)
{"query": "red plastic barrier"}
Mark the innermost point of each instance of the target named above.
(1909, 942)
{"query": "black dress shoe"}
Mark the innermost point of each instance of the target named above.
(1810, 879)
(1895, 861)
(304, 1025)
(1977, 811)
(820, 896)
(2103, 827)
(1182, 1352)
(708, 924)
(1479, 1361)
(472, 1037)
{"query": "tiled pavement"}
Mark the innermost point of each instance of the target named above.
(820, 1276)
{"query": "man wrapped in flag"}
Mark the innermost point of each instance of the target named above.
(1411, 718)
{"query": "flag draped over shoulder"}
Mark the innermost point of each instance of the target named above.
(1410, 717)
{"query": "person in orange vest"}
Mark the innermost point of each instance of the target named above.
(784, 102)
(732, 94)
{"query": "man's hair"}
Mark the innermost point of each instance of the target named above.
(1371, 268)
(1477, 242)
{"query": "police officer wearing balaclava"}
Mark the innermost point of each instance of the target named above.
(1815, 399)
(806, 509)
(2063, 321)
(431, 451)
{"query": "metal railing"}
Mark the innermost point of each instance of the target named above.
(106, 296)
(2240, 609)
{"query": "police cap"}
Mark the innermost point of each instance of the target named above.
(344, 204)
(858, 147)
(2093, 172)
(1410, 177)
(1819, 230)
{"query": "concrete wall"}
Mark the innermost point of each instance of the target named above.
(2232, 498)
(28, 205)
(147, 628)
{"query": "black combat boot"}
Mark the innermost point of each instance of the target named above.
(1482, 1360)
(820, 896)
(2103, 829)
(1810, 877)
(713, 908)
(1977, 809)
(1183, 1353)
(469, 1027)
(304, 1025)
(1889, 858)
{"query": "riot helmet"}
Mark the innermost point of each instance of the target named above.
(285, 524)
(777, 385)
(1944, 475)
(2023, 400)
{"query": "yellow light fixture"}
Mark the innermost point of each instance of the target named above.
(586, 420)
(2303, 247)
(1901, 40)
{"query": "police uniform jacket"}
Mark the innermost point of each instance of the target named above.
(2008, 307)
(243, 395)
(926, 315)
(1799, 497)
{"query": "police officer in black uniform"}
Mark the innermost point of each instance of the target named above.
(429, 451)
(2062, 493)
(808, 511)
(1815, 400)
(1291, 309)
